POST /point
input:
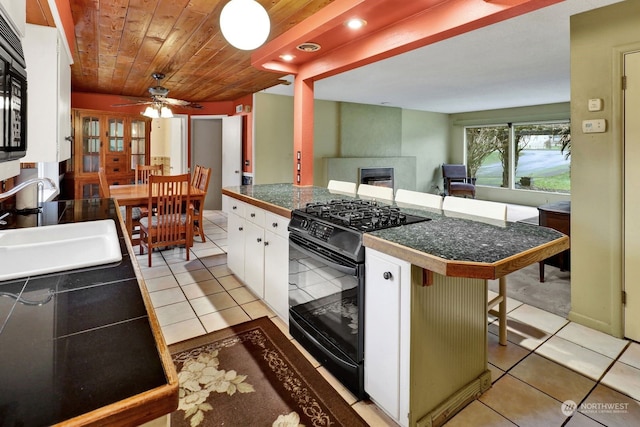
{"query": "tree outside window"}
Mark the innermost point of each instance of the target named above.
(541, 158)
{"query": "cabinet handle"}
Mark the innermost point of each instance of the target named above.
(387, 275)
(234, 207)
(259, 239)
(240, 228)
(274, 225)
(253, 215)
(266, 243)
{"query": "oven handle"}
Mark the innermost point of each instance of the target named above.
(351, 271)
(321, 347)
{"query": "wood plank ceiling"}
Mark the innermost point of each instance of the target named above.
(120, 43)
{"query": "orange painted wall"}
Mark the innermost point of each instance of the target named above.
(105, 102)
(64, 10)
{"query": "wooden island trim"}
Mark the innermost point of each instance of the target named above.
(148, 405)
(278, 210)
(469, 269)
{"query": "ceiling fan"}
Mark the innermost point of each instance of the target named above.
(159, 104)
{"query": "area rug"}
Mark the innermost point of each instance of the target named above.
(252, 375)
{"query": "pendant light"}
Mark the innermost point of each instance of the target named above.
(245, 24)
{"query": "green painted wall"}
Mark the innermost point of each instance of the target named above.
(598, 39)
(272, 139)
(425, 136)
(370, 130)
(393, 132)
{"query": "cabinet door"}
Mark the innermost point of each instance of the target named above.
(138, 143)
(254, 258)
(382, 333)
(235, 245)
(276, 274)
(115, 135)
(89, 153)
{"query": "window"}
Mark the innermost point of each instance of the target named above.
(530, 156)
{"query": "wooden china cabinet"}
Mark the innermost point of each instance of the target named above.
(117, 142)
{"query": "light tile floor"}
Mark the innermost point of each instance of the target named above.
(547, 362)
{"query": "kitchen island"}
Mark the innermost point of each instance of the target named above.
(83, 346)
(426, 298)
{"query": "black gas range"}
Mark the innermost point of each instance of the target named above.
(326, 280)
(338, 224)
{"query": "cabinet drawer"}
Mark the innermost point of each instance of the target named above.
(557, 222)
(276, 223)
(236, 207)
(255, 215)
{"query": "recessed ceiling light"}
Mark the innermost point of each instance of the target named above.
(308, 47)
(287, 57)
(356, 23)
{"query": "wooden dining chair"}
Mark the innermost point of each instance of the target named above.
(143, 172)
(105, 193)
(169, 218)
(195, 178)
(198, 205)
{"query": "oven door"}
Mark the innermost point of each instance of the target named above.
(326, 313)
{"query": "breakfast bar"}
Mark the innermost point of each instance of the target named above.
(425, 300)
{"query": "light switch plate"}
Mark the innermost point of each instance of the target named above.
(595, 104)
(594, 126)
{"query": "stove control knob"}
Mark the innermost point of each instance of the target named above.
(387, 275)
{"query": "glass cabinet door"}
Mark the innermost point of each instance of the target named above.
(116, 135)
(90, 144)
(138, 143)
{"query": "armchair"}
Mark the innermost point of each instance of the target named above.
(457, 182)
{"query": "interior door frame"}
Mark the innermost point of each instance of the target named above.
(191, 119)
(630, 273)
(184, 144)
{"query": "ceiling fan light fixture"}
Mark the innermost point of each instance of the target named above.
(165, 112)
(151, 112)
(245, 24)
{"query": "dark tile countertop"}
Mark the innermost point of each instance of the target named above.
(75, 341)
(454, 246)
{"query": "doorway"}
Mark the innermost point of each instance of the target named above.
(206, 150)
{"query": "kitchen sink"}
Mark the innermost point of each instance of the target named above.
(38, 250)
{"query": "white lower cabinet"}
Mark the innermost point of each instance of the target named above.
(235, 244)
(254, 258)
(386, 333)
(276, 274)
(258, 252)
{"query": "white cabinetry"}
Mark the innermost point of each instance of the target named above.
(386, 335)
(48, 96)
(276, 264)
(235, 236)
(254, 258)
(258, 252)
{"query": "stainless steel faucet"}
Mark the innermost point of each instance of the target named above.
(39, 181)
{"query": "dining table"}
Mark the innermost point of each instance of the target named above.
(132, 195)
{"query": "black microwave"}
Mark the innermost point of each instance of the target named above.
(13, 95)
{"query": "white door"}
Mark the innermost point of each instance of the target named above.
(231, 151)
(178, 144)
(632, 196)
